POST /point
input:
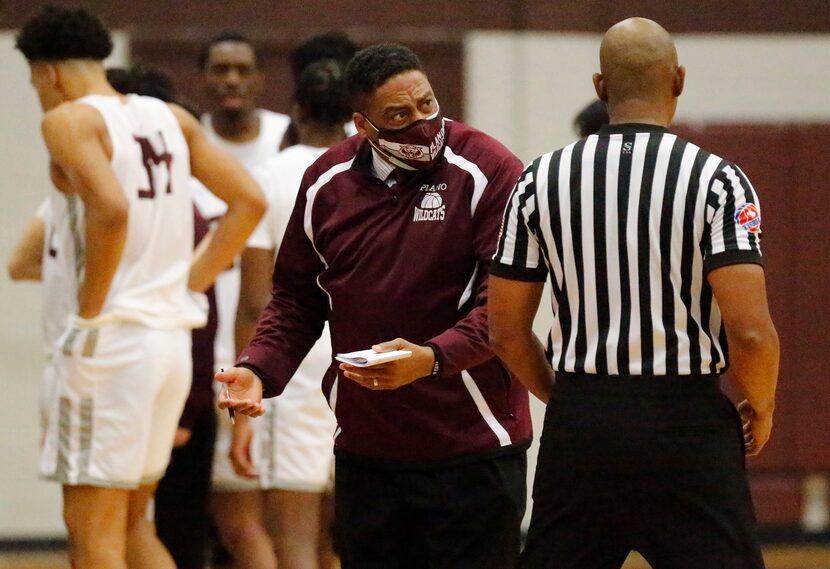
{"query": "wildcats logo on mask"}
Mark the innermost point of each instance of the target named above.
(407, 151)
(749, 218)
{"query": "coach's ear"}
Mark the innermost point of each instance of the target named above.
(599, 87)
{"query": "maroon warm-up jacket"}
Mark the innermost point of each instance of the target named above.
(409, 261)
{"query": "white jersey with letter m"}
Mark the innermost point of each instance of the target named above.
(151, 160)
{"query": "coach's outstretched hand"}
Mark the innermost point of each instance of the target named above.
(244, 393)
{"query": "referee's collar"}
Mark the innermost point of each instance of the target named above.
(631, 128)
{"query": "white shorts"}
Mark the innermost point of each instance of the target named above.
(119, 392)
(46, 395)
(298, 435)
(293, 443)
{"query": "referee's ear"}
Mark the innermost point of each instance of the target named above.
(599, 87)
(679, 80)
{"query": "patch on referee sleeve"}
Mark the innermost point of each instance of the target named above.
(749, 217)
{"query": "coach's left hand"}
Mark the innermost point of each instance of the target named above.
(392, 375)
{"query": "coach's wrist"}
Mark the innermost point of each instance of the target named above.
(435, 366)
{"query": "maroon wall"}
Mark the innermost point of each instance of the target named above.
(789, 168)
(398, 18)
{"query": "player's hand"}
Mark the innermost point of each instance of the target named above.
(391, 375)
(240, 453)
(757, 428)
(182, 437)
(244, 389)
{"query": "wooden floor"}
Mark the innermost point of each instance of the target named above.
(805, 557)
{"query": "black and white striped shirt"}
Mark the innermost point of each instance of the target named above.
(628, 223)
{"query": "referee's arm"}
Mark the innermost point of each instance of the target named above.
(517, 278)
(512, 306)
(753, 342)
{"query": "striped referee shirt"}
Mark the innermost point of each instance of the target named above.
(628, 223)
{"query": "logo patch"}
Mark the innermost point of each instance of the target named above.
(749, 218)
(432, 208)
(413, 151)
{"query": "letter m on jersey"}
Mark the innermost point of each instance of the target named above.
(152, 160)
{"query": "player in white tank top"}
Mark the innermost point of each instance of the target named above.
(233, 81)
(250, 154)
(295, 456)
(120, 226)
(151, 161)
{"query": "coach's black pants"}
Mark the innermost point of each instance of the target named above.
(459, 517)
(654, 465)
(182, 499)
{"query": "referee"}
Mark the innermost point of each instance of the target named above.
(652, 247)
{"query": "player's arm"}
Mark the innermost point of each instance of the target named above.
(257, 263)
(512, 306)
(753, 342)
(26, 260)
(74, 135)
(229, 181)
(256, 267)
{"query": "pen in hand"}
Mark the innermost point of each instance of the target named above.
(231, 412)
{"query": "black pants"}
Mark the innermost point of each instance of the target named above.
(183, 495)
(457, 517)
(654, 465)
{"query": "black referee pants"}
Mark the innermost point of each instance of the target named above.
(459, 517)
(654, 465)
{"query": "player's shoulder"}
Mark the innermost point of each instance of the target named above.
(332, 164)
(339, 155)
(187, 122)
(275, 164)
(274, 117)
(73, 115)
(71, 122)
(267, 172)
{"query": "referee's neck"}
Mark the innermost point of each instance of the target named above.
(616, 120)
(642, 111)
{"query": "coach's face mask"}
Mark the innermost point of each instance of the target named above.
(414, 147)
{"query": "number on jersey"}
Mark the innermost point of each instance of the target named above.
(152, 161)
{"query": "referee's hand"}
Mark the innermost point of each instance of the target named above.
(757, 428)
(244, 391)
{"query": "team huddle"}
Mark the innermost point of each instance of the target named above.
(189, 260)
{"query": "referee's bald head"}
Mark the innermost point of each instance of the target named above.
(638, 64)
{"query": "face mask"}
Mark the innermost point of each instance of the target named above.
(413, 147)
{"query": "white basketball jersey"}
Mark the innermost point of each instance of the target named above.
(280, 179)
(151, 161)
(272, 127)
